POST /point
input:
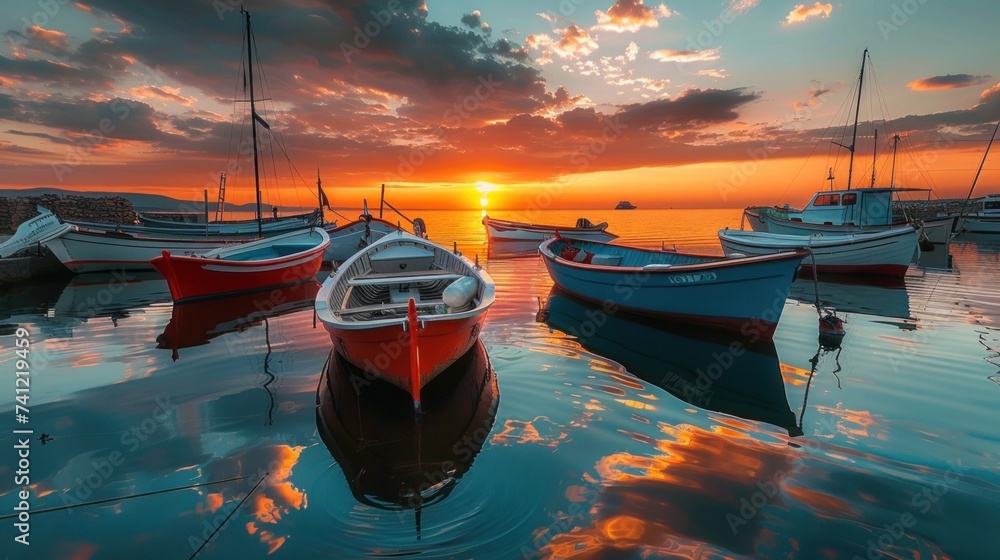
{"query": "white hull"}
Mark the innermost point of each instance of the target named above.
(981, 225)
(886, 252)
(98, 252)
(515, 232)
(347, 240)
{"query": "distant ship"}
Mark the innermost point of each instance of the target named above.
(625, 205)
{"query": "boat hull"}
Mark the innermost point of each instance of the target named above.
(384, 351)
(201, 277)
(881, 253)
(83, 251)
(236, 227)
(981, 225)
(350, 238)
(32, 232)
(745, 295)
(500, 231)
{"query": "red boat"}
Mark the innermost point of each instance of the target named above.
(404, 308)
(267, 263)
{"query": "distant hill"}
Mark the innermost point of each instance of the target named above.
(141, 202)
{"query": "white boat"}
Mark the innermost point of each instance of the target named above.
(102, 251)
(986, 220)
(506, 231)
(879, 252)
(232, 227)
(43, 227)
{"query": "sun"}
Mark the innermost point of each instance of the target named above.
(485, 188)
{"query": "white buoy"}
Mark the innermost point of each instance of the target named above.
(459, 293)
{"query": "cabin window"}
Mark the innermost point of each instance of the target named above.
(850, 199)
(991, 205)
(827, 200)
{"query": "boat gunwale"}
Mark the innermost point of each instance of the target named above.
(718, 262)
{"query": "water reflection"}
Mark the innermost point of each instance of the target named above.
(882, 297)
(707, 368)
(393, 459)
(196, 323)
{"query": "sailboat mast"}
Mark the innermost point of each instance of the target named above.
(892, 175)
(857, 113)
(874, 158)
(253, 123)
(961, 213)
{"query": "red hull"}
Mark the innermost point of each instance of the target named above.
(196, 277)
(384, 352)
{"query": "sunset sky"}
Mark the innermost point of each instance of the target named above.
(568, 104)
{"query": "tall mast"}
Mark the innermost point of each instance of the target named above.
(253, 122)
(892, 176)
(961, 213)
(857, 113)
(874, 158)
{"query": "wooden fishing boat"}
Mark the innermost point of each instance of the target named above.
(385, 451)
(106, 251)
(879, 252)
(745, 294)
(400, 294)
(350, 238)
(229, 227)
(986, 219)
(696, 365)
(505, 231)
(258, 265)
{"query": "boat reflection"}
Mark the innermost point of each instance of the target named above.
(711, 369)
(881, 297)
(196, 323)
(393, 459)
(111, 294)
(512, 249)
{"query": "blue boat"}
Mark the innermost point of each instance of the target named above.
(744, 294)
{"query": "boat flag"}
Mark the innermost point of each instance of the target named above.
(262, 122)
(323, 200)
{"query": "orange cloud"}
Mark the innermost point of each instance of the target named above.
(55, 40)
(670, 55)
(801, 13)
(631, 15)
(949, 81)
(164, 93)
(575, 42)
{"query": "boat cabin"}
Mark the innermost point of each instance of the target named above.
(860, 207)
(991, 205)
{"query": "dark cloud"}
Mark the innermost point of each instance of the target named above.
(692, 109)
(949, 81)
(53, 74)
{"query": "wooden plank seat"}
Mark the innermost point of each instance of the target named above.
(402, 277)
(385, 307)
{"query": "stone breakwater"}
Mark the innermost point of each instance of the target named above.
(923, 209)
(109, 210)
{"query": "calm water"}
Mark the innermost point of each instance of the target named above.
(592, 436)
